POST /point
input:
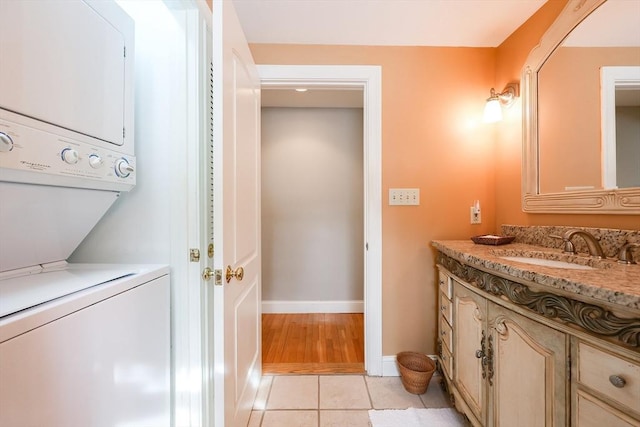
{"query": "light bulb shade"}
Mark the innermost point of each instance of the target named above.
(492, 111)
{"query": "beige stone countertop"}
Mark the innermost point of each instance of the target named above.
(610, 282)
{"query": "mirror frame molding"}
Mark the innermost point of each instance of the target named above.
(602, 201)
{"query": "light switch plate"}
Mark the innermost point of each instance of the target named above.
(404, 196)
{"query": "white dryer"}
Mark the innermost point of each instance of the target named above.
(80, 344)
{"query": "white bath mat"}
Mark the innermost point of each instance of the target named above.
(414, 417)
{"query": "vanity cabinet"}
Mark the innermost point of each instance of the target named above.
(606, 387)
(509, 370)
(527, 371)
(445, 330)
(470, 339)
(505, 366)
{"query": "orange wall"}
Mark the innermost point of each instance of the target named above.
(577, 129)
(510, 58)
(433, 139)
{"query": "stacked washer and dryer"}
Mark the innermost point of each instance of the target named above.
(80, 344)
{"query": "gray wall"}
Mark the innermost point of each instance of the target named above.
(312, 204)
(628, 147)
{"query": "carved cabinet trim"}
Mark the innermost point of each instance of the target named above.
(589, 317)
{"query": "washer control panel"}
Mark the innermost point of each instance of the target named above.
(28, 149)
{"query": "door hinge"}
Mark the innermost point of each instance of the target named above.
(194, 255)
(569, 368)
(217, 277)
(123, 132)
(125, 51)
(366, 246)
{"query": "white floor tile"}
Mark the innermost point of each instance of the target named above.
(290, 419)
(255, 419)
(344, 418)
(435, 397)
(293, 392)
(343, 392)
(388, 393)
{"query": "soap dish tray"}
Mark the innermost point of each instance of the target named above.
(491, 239)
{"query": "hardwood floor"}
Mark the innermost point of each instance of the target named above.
(313, 343)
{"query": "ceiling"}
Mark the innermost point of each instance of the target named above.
(470, 23)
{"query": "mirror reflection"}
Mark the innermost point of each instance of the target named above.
(589, 104)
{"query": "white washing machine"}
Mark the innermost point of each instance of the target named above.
(85, 345)
(80, 344)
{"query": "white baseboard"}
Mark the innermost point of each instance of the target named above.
(313, 306)
(390, 367)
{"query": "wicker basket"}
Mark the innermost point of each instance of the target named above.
(416, 370)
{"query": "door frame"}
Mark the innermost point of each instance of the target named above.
(369, 79)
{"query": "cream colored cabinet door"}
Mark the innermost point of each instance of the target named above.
(605, 386)
(527, 376)
(592, 412)
(470, 358)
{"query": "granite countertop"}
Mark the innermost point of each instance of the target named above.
(609, 282)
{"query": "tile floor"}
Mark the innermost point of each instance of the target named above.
(335, 400)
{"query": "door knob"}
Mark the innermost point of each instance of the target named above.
(238, 273)
(207, 273)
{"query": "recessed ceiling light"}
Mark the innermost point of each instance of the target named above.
(301, 89)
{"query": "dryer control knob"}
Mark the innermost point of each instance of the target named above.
(123, 169)
(95, 161)
(70, 156)
(6, 143)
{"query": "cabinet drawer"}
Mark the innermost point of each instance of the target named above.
(446, 360)
(445, 308)
(446, 334)
(446, 286)
(599, 370)
(591, 412)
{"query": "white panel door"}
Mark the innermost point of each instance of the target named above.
(236, 183)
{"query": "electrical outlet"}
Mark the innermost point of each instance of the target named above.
(404, 196)
(476, 217)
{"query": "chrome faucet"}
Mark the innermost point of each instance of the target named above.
(625, 256)
(595, 250)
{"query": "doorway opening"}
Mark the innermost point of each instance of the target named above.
(312, 231)
(361, 312)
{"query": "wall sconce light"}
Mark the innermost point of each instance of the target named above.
(493, 107)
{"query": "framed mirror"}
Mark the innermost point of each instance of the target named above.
(581, 112)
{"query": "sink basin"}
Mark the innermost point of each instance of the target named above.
(547, 262)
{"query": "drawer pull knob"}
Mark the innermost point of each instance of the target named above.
(443, 333)
(443, 308)
(617, 381)
(479, 354)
